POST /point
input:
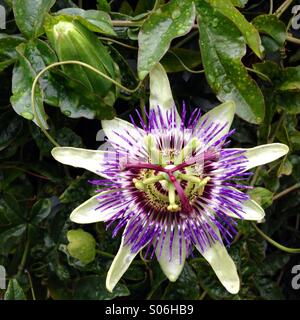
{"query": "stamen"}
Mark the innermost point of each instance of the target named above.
(187, 151)
(173, 207)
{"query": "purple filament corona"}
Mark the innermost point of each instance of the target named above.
(187, 198)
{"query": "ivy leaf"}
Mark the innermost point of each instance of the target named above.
(249, 32)
(271, 25)
(30, 16)
(173, 20)
(14, 291)
(94, 20)
(222, 49)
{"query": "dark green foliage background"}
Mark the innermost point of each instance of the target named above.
(37, 194)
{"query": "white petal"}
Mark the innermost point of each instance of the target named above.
(120, 132)
(160, 91)
(223, 265)
(222, 115)
(171, 268)
(82, 158)
(263, 154)
(119, 265)
(87, 212)
(251, 210)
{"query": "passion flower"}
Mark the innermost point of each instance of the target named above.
(173, 184)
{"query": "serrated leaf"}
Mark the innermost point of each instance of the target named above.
(172, 20)
(222, 49)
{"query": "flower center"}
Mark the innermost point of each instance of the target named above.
(171, 192)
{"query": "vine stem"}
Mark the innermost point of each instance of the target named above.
(271, 7)
(292, 39)
(56, 64)
(24, 256)
(286, 191)
(274, 243)
(283, 8)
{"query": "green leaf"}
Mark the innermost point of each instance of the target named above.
(239, 3)
(173, 20)
(5, 64)
(290, 80)
(173, 59)
(10, 238)
(93, 288)
(82, 245)
(94, 20)
(11, 126)
(222, 49)
(30, 16)
(23, 77)
(14, 291)
(103, 5)
(262, 196)
(10, 210)
(289, 102)
(271, 25)
(209, 281)
(8, 44)
(40, 211)
(268, 289)
(249, 32)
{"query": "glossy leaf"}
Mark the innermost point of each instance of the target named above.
(30, 16)
(272, 26)
(172, 20)
(40, 211)
(94, 20)
(14, 291)
(222, 49)
(249, 32)
(8, 44)
(23, 77)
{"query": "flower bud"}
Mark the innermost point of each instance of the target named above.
(72, 41)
